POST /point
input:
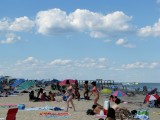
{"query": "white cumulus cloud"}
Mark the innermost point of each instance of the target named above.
(60, 62)
(53, 21)
(56, 21)
(150, 30)
(4, 24)
(21, 24)
(10, 38)
(124, 43)
(29, 61)
(121, 41)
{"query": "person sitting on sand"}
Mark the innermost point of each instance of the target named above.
(51, 96)
(97, 108)
(44, 97)
(40, 91)
(124, 111)
(110, 112)
(116, 105)
(111, 98)
(31, 96)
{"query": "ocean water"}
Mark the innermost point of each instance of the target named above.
(150, 86)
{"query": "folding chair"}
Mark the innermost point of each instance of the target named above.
(11, 114)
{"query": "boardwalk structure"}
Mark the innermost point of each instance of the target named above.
(100, 82)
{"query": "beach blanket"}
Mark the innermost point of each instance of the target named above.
(55, 115)
(142, 114)
(45, 108)
(8, 105)
(100, 116)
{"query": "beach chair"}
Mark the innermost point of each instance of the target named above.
(11, 114)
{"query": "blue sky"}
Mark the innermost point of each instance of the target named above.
(105, 39)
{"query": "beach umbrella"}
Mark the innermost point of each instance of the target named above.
(63, 83)
(106, 91)
(118, 93)
(151, 97)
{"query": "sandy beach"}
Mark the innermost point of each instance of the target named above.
(81, 107)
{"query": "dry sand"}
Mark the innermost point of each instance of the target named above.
(81, 107)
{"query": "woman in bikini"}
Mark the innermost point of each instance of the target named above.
(69, 93)
(95, 93)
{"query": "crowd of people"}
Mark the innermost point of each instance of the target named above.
(71, 92)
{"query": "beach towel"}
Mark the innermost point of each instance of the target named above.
(55, 115)
(45, 108)
(8, 105)
(142, 114)
(100, 116)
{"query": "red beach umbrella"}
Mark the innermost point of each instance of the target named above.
(151, 97)
(63, 83)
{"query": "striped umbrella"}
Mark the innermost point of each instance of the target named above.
(151, 97)
(118, 93)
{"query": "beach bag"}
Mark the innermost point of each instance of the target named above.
(21, 106)
(65, 98)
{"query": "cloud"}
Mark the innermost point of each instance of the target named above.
(141, 65)
(58, 68)
(4, 24)
(92, 63)
(18, 25)
(56, 21)
(150, 30)
(9, 28)
(121, 41)
(10, 38)
(53, 21)
(124, 43)
(21, 24)
(31, 61)
(60, 62)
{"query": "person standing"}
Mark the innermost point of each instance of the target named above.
(69, 93)
(95, 93)
(86, 90)
(76, 88)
